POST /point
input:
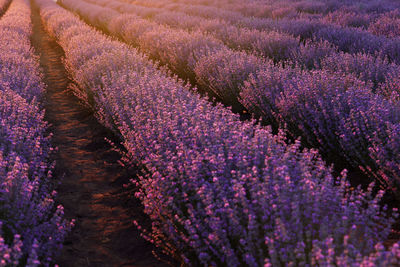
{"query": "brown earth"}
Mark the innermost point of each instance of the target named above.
(91, 189)
(5, 8)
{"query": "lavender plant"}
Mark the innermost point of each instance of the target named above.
(366, 67)
(32, 226)
(223, 73)
(388, 26)
(349, 17)
(310, 55)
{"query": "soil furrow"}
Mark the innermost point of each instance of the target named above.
(4, 9)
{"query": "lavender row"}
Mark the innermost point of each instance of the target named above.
(386, 24)
(277, 46)
(351, 40)
(346, 39)
(206, 11)
(183, 52)
(278, 9)
(228, 11)
(227, 73)
(219, 191)
(191, 55)
(346, 14)
(228, 8)
(379, 18)
(178, 49)
(31, 226)
(367, 67)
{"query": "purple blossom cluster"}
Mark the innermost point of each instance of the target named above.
(351, 40)
(350, 17)
(223, 72)
(220, 191)
(387, 25)
(366, 67)
(312, 7)
(310, 55)
(32, 227)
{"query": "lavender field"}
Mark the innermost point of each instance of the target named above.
(199, 133)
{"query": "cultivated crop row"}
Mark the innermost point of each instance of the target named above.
(271, 44)
(279, 9)
(377, 18)
(331, 110)
(219, 191)
(277, 46)
(351, 40)
(32, 228)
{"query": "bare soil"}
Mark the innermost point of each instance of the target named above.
(91, 189)
(5, 8)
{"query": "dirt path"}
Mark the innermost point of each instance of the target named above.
(4, 9)
(91, 190)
